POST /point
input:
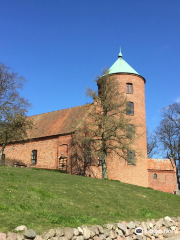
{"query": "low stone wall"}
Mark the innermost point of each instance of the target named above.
(150, 230)
(177, 192)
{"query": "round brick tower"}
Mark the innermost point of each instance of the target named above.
(133, 86)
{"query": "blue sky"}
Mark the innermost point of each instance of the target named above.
(60, 46)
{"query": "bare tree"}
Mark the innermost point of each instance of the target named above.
(168, 138)
(107, 127)
(13, 108)
(168, 134)
(172, 113)
(151, 144)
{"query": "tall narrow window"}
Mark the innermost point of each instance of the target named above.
(155, 175)
(131, 157)
(130, 108)
(34, 157)
(88, 156)
(100, 160)
(130, 131)
(129, 88)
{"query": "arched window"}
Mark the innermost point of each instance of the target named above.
(155, 175)
(130, 157)
(129, 88)
(34, 157)
(130, 108)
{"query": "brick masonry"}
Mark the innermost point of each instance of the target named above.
(118, 168)
(166, 180)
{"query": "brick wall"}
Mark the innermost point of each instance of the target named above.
(65, 147)
(166, 180)
(48, 151)
(118, 168)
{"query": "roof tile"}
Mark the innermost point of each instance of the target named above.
(58, 122)
(161, 164)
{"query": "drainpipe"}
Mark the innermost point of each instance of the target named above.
(71, 152)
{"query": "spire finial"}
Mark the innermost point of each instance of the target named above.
(120, 54)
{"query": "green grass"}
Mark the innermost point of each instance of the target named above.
(46, 199)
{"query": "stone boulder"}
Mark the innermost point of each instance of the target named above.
(20, 228)
(30, 234)
(68, 232)
(86, 232)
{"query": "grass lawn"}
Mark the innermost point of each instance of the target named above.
(42, 199)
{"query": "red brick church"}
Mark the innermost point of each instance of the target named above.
(50, 142)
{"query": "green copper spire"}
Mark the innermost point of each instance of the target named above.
(121, 66)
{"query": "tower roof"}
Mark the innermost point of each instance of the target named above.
(121, 66)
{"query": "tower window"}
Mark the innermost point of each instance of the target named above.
(130, 131)
(100, 160)
(130, 157)
(34, 157)
(130, 108)
(129, 88)
(88, 156)
(155, 175)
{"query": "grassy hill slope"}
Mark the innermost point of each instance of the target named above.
(43, 199)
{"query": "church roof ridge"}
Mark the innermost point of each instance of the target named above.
(61, 110)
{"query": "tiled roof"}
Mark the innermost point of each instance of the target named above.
(58, 122)
(161, 164)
